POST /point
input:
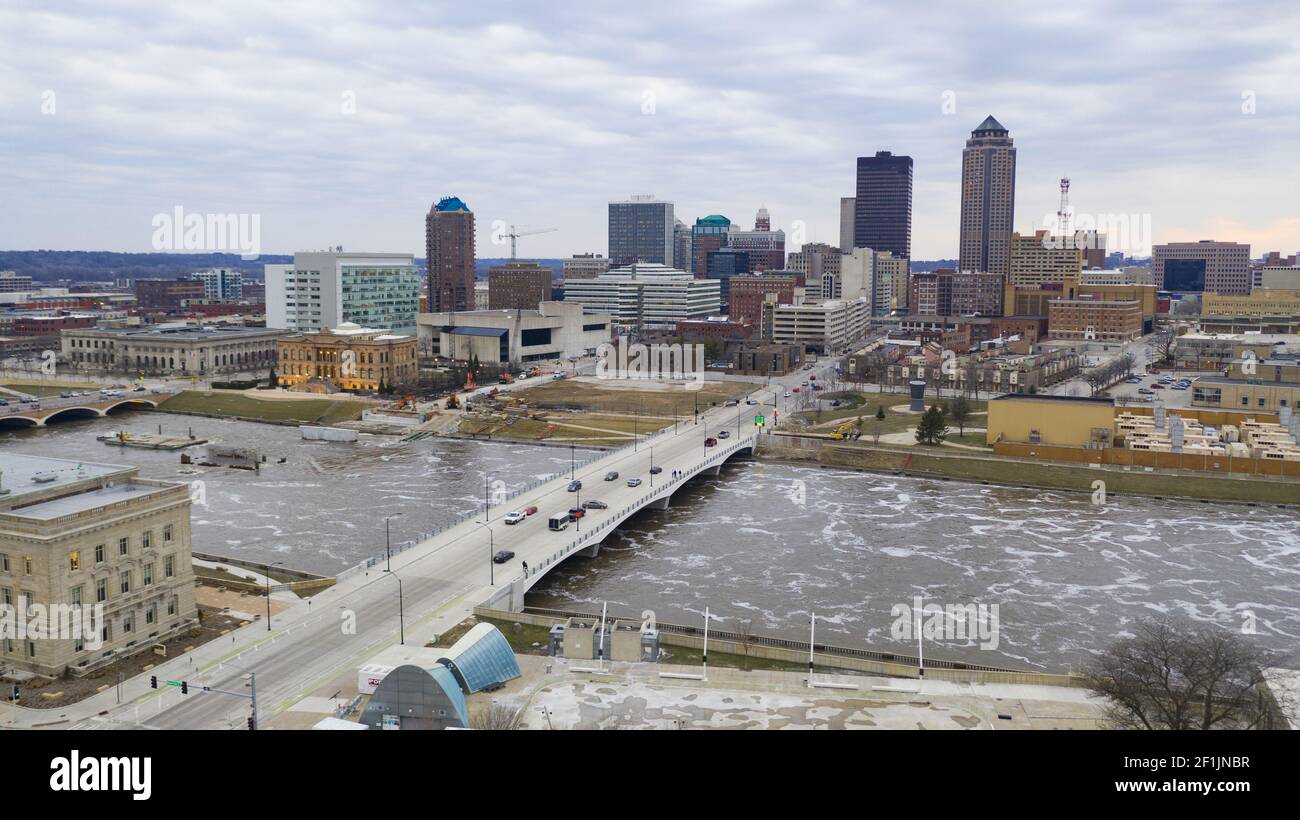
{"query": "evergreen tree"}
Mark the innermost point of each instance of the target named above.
(933, 428)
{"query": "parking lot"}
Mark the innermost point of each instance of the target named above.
(1161, 386)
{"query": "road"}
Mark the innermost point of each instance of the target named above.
(442, 580)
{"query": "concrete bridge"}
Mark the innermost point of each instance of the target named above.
(59, 409)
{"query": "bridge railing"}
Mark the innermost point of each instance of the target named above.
(456, 521)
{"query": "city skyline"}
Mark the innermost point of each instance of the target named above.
(349, 149)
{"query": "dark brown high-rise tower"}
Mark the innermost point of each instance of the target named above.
(449, 250)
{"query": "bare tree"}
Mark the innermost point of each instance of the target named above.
(1180, 675)
(498, 717)
(746, 631)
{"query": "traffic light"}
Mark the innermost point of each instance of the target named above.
(185, 687)
(153, 681)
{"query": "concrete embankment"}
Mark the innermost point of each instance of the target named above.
(942, 463)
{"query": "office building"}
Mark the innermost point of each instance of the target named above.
(682, 245)
(988, 199)
(518, 284)
(646, 296)
(585, 266)
(1042, 258)
(814, 261)
(708, 235)
(167, 294)
(1259, 303)
(1276, 277)
(111, 547)
(324, 289)
(890, 291)
(882, 208)
(748, 293)
(949, 293)
(765, 247)
(221, 284)
(722, 265)
(552, 332)
(640, 230)
(347, 357)
(1116, 276)
(11, 282)
(856, 279)
(449, 253)
(1193, 267)
(847, 222)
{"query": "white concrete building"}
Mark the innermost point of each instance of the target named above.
(555, 330)
(221, 284)
(646, 295)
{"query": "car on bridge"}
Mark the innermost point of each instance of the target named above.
(576, 512)
(514, 517)
(710, 442)
(634, 482)
(502, 556)
(656, 470)
(612, 475)
(595, 505)
(574, 486)
(724, 434)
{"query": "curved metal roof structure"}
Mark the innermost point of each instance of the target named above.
(481, 658)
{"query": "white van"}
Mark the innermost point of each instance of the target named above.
(559, 521)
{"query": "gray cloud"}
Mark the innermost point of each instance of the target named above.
(534, 115)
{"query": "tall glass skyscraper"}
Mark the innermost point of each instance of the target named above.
(882, 209)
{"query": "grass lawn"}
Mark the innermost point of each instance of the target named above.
(524, 429)
(49, 388)
(894, 422)
(306, 411)
(521, 639)
(586, 395)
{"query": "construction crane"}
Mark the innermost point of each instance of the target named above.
(514, 235)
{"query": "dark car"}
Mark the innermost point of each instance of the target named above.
(574, 486)
(576, 512)
(656, 470)
(612, 475)
(595, 505)
(710, 442)
(502, 556)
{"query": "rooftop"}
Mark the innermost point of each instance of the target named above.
(1048, 397)
(191, 332)
(24, 475)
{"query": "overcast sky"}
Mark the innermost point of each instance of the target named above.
(339, 123)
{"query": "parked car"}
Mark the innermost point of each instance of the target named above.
(612, 475)
(1159, 386)
(634, 482)
(3, 403)
(725, 434)
(787, 394)
(574, 486)
(502, 556)
(514, 517)
(595, 505)
(656, 470)
(1146, 391)
(731, 403)
(530, 510)
(710, 442)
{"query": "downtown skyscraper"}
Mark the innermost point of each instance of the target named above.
(882, 208)
(641, 230)
(449, 250)
(988, 199)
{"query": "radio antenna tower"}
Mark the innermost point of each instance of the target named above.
(1063, 216)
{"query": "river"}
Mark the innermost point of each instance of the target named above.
(767, 542)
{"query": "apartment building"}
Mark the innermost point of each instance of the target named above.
(1094, 319)
(826, 327)
(1043, 258)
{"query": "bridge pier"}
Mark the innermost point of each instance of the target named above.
(658, 503)
(590, 552)
(714, 470)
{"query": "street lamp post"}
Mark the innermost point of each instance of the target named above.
(401, 609)
(388, 546)
(573, 462)
(268, 592)
(492, 571)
